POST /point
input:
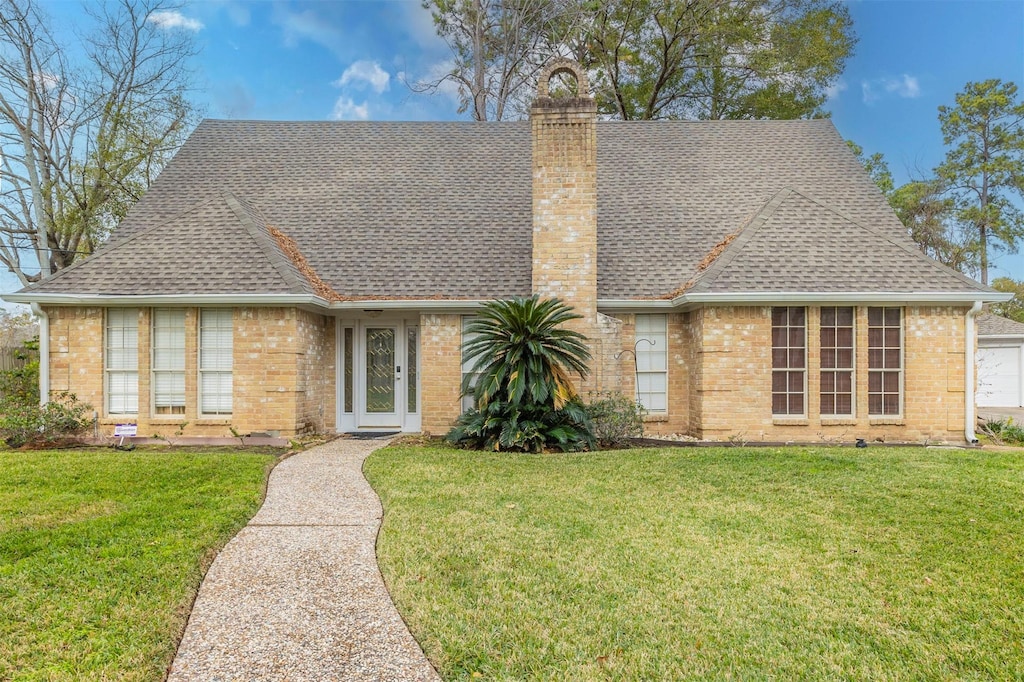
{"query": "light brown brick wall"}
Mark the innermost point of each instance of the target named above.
(440, 371)
(733, 380)
(317, 372)
(283, 374)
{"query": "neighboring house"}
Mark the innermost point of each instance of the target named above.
(1000, 362)
(293, 276)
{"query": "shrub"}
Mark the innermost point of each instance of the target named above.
(503, 426)
(57, 422)
(615, 419)
(21, 384)
(1004, 431)
(523, 395)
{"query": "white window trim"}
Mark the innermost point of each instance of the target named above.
(643, 344)
(852, 369)
(107, 371)
(154, 371)
(201, 370)
(903, 362)
(790, 415)
(466, 403)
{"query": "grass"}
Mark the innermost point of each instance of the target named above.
(730, 563)
(101, 554)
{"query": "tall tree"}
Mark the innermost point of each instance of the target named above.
(1014, 308)
(651, 58)
(715, 59)
(81, 139)
(983, 172)
(926, 213)
(498, 49)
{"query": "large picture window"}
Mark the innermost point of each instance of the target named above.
(789, 360)
(216, 335)
(885, 361)
(122, 360)
(652, 362)
(837, 361)
(169, 362)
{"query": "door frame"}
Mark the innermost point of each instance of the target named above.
(358, 419)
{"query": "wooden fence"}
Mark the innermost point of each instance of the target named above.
(14, 357)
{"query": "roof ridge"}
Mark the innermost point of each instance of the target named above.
(746, 232)
(109, 248)
(261, 235)
(915, 252)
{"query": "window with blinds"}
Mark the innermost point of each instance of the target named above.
(216, 334)
(885, 361)
(652, 362)
(789, 360)
(837, 358)
(168, 361)
(121, 360)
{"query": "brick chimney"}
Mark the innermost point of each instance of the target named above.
(564, 134)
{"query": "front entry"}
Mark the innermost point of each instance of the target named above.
(380, 375)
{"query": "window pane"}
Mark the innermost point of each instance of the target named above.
(796, 357)
(890, 382)
(779, 337)
(796, 337)
(779, 382)
(892, 337)
(216, 341)
(828, 317)
(828, 382)
(411, 345)
(874, 358)
(844, 404)
(779, 317)
(892, 317)
(844, 317)
(875, 403)
(828, 337)
(875, 382)
(892, 359)
(844, 358)
(828, 404)
(828, 359)
(875, 317)
(891, 403)
(779, 405)
(844, 382)
(796, 317)
(796, 403)
(348, 369)
(796, 382)
(780, 358)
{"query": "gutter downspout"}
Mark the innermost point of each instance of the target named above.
(969, 416)
(44, 353)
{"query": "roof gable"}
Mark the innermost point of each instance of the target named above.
(996, 325)
(798, 244)
(221, 244)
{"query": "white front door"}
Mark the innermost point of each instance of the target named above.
(379, 378)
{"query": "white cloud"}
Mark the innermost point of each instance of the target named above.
(832, 91)
(365, 71)
(347, 110)
(173, 19)
(306, 25)
(434, 81)
(904, 86)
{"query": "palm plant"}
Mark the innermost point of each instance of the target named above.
(523, 395)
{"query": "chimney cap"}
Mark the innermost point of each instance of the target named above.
(563, 65)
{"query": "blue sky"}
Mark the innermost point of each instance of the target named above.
(352, 60)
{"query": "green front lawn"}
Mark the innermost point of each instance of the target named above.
(726, 563)
(101, 554)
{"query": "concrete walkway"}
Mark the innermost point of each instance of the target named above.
(297, 594)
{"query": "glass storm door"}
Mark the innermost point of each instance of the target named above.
(382, 376)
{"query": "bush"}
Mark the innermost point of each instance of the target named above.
(615, 419)
(522, 390)
(58, 422)
(505, 426)
(1004, 431)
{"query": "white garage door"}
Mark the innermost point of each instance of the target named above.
(999, 377)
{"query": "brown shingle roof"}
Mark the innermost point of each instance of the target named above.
(444, 210)
(995, 325)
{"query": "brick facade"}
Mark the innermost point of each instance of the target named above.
(283, 372)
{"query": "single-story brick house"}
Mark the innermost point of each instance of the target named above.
(743, 279)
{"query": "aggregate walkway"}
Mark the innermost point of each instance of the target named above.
(297, 594)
